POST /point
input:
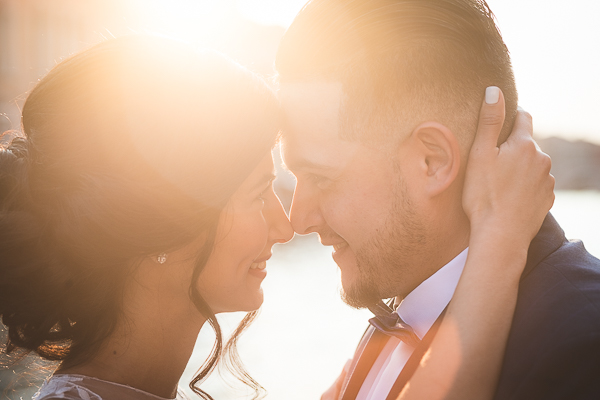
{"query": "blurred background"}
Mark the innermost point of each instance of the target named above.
(305, 333)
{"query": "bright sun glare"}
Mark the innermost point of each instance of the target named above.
(553, 46)
(191, 20)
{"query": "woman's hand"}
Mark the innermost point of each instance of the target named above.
(508, 192)
(508, 188)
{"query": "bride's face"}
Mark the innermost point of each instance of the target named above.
(251, 223)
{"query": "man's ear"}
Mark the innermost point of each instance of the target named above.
(438, 156)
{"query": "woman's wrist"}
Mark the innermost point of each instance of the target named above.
(499, 248)
(502, 231)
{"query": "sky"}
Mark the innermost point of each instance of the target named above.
(555, 49)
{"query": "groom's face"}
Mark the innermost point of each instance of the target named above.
(353, 195)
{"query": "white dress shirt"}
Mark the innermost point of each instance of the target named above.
(420, 309)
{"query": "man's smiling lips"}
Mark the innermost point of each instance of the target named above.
(339, 253)
(336, 241)
(339, 246)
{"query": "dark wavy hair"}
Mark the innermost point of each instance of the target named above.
(129, 149)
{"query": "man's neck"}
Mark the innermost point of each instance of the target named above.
(447, 239)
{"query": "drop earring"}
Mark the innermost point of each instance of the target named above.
(161, 258)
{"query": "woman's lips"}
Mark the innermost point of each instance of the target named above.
(259, 265)
(258, 269)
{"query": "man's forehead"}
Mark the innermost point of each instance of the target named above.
(311, 134)
(325, 91)
(311, 108)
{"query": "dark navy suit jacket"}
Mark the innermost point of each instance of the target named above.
(553, 350)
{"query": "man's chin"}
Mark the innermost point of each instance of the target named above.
(360, 295)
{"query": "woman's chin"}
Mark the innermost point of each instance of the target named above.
(248, 304)
(254, 304)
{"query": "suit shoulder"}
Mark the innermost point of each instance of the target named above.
(554, 342)
(565, 284)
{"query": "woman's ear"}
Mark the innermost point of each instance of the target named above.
(438, 154)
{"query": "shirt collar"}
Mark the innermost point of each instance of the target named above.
(422, 307)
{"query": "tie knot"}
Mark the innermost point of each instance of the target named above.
(389, 322)
(385, 314)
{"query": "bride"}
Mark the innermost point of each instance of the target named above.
(138, 205)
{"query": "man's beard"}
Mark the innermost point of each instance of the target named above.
(382, 261)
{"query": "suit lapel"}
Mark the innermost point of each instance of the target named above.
(368, 350)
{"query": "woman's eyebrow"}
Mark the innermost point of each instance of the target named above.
(306, 164)
(266, 178)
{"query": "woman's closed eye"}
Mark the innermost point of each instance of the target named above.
(265, 192)
(261, 196)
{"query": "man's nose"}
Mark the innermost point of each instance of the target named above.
(280, 229)
(305, 214)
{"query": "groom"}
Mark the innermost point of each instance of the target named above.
(380, 96)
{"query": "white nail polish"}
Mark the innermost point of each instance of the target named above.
(492, 94)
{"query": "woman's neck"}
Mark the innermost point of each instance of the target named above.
(149, 349)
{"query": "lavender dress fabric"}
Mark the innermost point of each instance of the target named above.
(79, 387)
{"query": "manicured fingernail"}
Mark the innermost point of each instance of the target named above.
(492, 94)
(519, 108)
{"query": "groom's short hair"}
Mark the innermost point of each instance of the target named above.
(401, 62)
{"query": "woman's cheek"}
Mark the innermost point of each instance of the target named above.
(258, 230)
